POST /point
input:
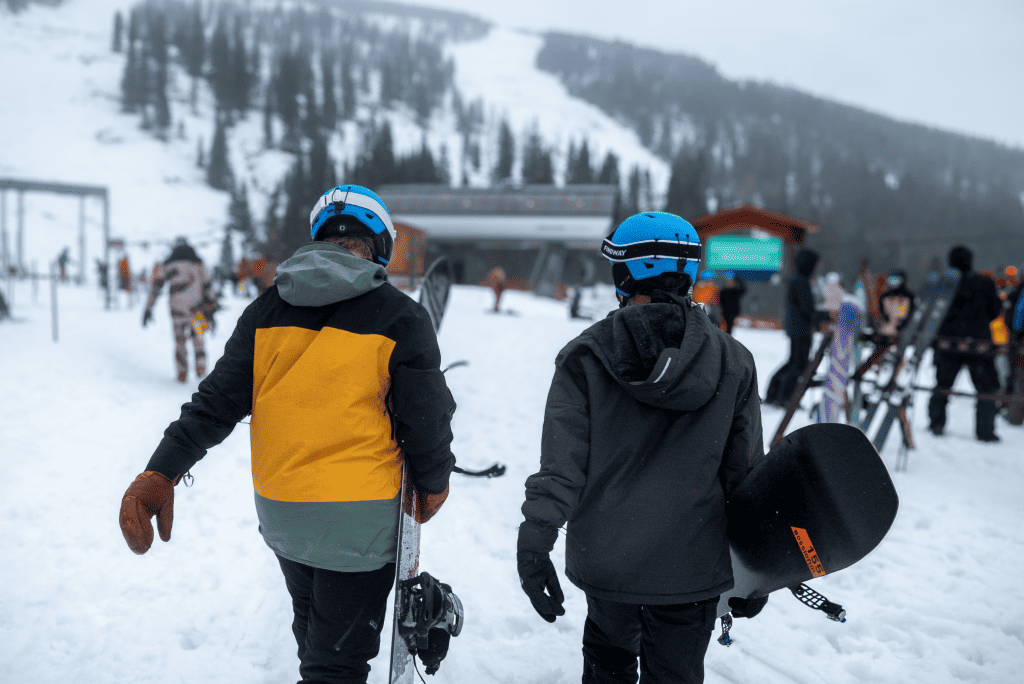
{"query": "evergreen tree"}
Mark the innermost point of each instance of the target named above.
(609, 170)
(130, 99)
(240, 218)
(118, 30)
(241, 79)
(192, 48)
(687, 186)
(506, 154)
(221, 63)
(329, 112)
(200, 153)
(322, 175)
(537, 168)
(348, 88)
(226, 264)
(293, 229)
(268, 122)
(631, 202)
(578, 170)
(376, 164)
(157, 35)
(218, 171)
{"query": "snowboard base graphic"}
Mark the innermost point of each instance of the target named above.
(818, 502)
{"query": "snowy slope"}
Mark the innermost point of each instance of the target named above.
(936, 602)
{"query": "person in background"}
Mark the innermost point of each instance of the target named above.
(732, 291)
(975, 304)
(895, 306)
(802, 319)
(654, 393)
(496, 280)
(832, 292)
(190, 290)
(705, 292)
(340, 372)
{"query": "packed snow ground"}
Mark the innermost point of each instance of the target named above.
(937, 601)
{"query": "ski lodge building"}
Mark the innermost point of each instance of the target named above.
(546, 238)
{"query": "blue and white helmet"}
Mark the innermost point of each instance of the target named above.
(365, 207)
(648, 245)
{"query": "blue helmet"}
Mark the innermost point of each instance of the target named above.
(648, 245)
(708, 274)
(365, 207)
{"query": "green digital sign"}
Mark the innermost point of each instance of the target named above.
(744, 253)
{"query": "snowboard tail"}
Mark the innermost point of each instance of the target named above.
(408, 562)
(817, 503)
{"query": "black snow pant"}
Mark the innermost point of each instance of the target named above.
(336, 607)
(670, 642)
(985, 379)
(782, 384)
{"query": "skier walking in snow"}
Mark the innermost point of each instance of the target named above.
(652, 419)
(190, 290)
(341, 374)
(975, 304)
(802, 318)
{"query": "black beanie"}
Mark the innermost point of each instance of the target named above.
(961, 258)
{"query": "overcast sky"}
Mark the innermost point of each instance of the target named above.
(957, 65)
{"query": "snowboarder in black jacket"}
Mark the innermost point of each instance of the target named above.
(652, 419)
(802, 318)
(975, 305)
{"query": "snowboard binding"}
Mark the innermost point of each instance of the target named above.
(813, 599)
(429, 615)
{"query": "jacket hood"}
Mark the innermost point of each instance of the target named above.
(806, 260)
(322, 273)
(665, 354)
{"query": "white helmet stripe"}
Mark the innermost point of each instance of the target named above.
(367, 202)
(358, 200)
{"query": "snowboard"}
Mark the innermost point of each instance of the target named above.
(842, 360)
(899, 392)
(435, 289)
(818, 502)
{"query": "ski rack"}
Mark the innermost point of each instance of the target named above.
(813, 599)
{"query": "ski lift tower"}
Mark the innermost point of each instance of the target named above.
(17, 260)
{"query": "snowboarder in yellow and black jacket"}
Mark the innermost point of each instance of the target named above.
(340, 373)
(652, 420)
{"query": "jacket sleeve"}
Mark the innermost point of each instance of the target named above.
(222, 399)
(745, 444)
(553, 492)
(422, 408)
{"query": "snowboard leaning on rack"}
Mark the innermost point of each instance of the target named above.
(817, 503)
(434, 294)
(802, 383)
(893, 400)
(841, 362)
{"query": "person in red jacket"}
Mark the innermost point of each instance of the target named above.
(340, 372)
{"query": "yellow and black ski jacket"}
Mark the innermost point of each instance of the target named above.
(341, 374)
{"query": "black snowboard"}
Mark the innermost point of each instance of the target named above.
(818, 502)
(434, 290)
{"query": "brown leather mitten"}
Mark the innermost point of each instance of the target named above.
(150, 494)
(429, 504)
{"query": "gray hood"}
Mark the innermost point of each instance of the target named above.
(322, 273)
(666, 353)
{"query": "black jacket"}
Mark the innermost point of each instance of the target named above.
(975, 304)
(801, 315)
(652, 419)
(730, 298)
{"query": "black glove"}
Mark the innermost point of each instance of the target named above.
(536, 571)
(746, 607)
(437, 648)
(147, 316)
